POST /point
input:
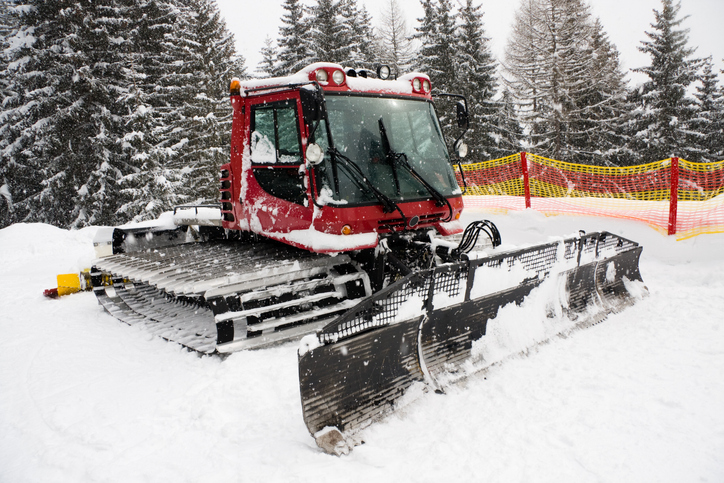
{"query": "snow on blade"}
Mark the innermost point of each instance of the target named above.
(517, 329)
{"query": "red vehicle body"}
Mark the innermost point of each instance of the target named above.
(304, 215)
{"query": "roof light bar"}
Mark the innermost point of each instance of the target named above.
(421, 85)
(330, 76)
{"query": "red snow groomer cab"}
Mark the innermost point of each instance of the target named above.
(325, 162)
(328, 159)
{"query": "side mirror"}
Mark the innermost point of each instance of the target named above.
(312, 105)
(315, 155)
(462, 115)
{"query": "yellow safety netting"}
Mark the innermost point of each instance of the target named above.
(642, 192)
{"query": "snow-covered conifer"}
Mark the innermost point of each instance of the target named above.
(359, 36)
(328, 32)
(707, 126)
(8, 21)
(268, 63)
(62, 123)
(395, 44)
(665, 109)
(114, 109)
(475, 77)
(437, 34)
(566, 79)
(425, 35)
(155, 90)
(508, 131)
(198, 141)
(601, 137)
(8, 18)
(293, 53)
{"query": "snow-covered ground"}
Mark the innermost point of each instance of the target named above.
(637, 398)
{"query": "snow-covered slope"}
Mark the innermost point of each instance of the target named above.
(639, 397)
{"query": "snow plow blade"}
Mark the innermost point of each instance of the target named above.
(423, 329)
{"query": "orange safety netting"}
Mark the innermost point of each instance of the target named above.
(694, 206)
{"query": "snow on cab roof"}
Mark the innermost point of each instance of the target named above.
(403, 85)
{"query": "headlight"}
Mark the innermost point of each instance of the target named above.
(383, 72)
(416, 84)
(338, 77)
(426, 85)
(322, 75)
(315, 153)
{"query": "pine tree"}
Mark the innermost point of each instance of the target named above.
(665, 109)
(566, 79)
(267, 65)
(426, 34)
(508, 131)
(437, 34)
(605, 111)
(476, 79)
(707, 138)
(367, 48)
(359, 35)
(719, 125)
(328, 33)
(154, 92)
(61, 130)
(8, 19)
(8, 22)
(199, 139)
(294, 48)
(395, 43)
(114, 109)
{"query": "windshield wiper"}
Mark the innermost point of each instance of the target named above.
(389, 154)
(395, 157)
(388, 205)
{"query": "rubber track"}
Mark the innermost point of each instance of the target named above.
(165, 290)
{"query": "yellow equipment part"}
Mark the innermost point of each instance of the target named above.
(69, 283)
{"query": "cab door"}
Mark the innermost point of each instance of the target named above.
(278, 198)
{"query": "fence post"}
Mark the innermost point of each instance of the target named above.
(674, 197)
(526, 182)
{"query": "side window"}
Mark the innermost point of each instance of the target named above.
(275, 133)
(263, 149)
(276, 146)
(288, 133)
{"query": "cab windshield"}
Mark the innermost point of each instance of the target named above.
(374, 132)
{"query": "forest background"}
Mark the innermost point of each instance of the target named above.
(116, 110)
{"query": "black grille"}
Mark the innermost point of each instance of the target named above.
(379, 311)
(383, 308)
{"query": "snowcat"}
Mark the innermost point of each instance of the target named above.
(339, 220)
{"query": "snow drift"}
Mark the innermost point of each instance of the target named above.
(84, 398)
